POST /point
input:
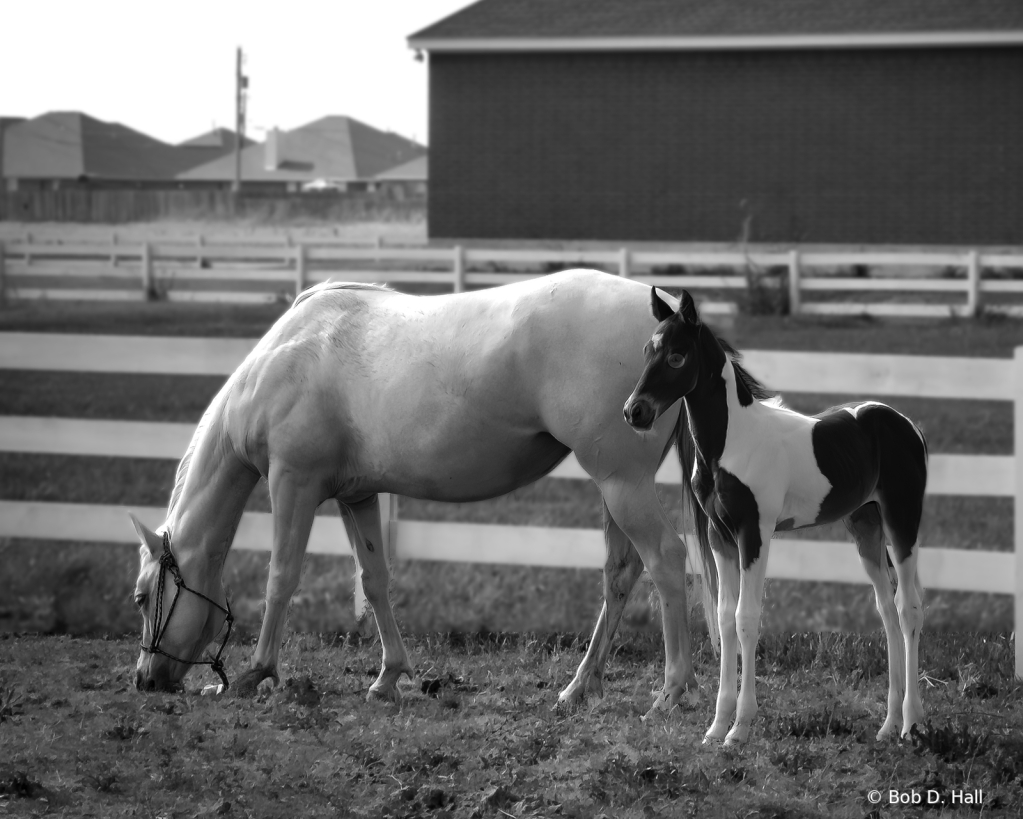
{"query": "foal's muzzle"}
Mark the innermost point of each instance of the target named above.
(639, 413)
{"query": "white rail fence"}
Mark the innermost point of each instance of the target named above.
(957, 283)
(921, 376)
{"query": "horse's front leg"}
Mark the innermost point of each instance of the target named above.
(622, 567)
(293, 499)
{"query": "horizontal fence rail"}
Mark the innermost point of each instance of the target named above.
(276, 269)
(846, 374)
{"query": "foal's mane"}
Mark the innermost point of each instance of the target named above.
(742, 375)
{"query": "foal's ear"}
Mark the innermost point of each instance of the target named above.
(659, 307)
(149, 538)
(687, 308)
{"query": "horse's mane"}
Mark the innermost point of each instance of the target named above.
(329, 285)
(186, 459)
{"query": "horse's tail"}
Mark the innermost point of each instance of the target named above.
(694, 515)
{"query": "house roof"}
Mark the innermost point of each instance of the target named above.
(70, 145)
(413, 171)
(334, 147)
(5, 123)
(210, 146)
(517, 25)
(217, 138)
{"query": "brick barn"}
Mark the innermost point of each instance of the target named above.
(813, 121)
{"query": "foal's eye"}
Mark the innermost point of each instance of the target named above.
(675, 360)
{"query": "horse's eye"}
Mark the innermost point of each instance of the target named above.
(140, 601)
(675, 360)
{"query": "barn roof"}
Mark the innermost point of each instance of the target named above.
(521, 25)
(71, 145)
(333, 147)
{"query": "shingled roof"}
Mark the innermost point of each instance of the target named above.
(72, 145)
(333, 147)
(599, 24)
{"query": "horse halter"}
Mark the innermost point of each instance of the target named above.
(169, 564)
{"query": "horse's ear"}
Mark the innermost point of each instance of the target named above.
(149, 538)
(687, 308)
(659, 307)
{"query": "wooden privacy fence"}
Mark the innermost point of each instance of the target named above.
(921, 376)
(252, 271)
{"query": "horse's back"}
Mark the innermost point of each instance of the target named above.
(453, 397)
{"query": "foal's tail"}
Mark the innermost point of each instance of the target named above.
(694, 515)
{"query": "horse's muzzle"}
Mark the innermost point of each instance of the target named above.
(639, 413)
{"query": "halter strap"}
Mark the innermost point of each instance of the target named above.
(168, 565)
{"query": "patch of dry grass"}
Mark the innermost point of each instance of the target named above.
(477, 734)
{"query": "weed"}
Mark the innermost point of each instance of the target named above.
(19, 785)
(949, 743)
(817, 724)
(10, 701)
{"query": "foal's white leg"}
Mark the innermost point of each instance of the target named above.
(362, 521)
(747, 624)
(728, 598)
(294, 503)
(866, 529)
(634, 505)
(622, 567)
(908, 599)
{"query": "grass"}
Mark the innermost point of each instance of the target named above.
(477, 734)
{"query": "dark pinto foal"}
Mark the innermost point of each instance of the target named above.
(759, 468)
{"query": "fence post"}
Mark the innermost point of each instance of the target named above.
(459, 269)
(795, 303)
(623, 263)
(972, 283)
(147, 272)
(1017, 426)
(199, 241)
(299, 268)
(113, 254)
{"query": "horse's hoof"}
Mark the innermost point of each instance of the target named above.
(571, 697)
(386, 696)
(736, 738)
(247, 685)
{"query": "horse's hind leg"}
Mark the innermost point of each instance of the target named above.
(635, 508)
(362, 521)
(867, 530)
(622, 567)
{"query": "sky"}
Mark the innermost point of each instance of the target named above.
(166, 67)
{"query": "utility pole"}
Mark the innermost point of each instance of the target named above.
(241, 84)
